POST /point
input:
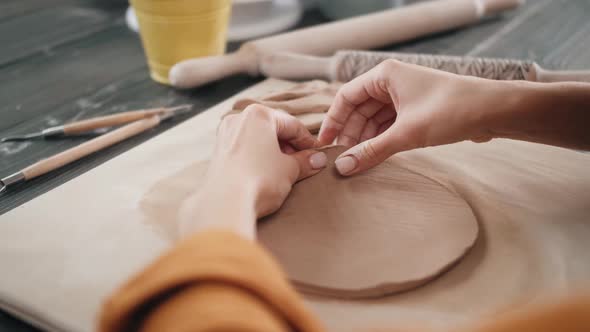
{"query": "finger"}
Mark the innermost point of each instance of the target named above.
(286, 147)
(384, 126)
(347, 99)
(349, 96)
(226, 121)
(356, 122)
(385, 114)
(371, 152)
(375, 123)
(291, 130)
(370, 130)
(309, 162)
(349, 136)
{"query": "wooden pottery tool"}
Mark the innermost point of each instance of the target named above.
(346, 65)
(150, 119)
(85, 126)
(363, 32)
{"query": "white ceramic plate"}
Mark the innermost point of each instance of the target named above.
(262, 18)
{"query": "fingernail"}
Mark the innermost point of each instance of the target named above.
(318, 160)
(346, 164)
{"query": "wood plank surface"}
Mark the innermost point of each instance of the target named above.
(63, 60)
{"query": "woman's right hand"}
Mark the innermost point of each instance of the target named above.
(397, 107)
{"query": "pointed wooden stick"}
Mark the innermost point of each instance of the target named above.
(61, 159)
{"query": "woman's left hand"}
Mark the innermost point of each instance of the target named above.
(259, 155)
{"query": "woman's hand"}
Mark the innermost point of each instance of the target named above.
(397, 107)
(259, 155)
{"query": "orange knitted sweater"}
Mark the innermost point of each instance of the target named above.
(219, 281)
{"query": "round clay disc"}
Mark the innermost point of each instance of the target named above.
(383, 231)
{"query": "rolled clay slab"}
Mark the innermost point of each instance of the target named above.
(384, 231)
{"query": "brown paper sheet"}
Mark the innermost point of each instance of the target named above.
(63, 252)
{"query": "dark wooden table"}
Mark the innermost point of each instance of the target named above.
(62, 60)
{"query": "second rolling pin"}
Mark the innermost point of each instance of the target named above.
(346, 65)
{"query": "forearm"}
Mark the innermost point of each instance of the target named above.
(550, 113)
(218, 206)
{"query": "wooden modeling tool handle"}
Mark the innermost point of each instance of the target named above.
(497, 6)
(363, 32)
(82, 150)
(84, 126)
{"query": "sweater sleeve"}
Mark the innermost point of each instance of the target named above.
(213, 281)
(571, 314)
(219, 281)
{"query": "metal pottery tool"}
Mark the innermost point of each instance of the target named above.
(363, 32)
(138, 122)
(346, 65)
(85, 126)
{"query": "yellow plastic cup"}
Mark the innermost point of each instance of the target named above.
(176, 30)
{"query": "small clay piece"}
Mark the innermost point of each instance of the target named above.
(308, 101)
(386, 230)
(309, 97)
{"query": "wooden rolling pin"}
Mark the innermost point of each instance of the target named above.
(363, 32)
(346, 65)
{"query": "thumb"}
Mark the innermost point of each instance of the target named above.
(310, 162)
(371, 152)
